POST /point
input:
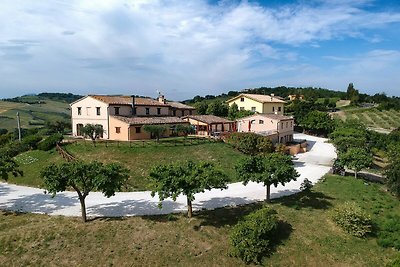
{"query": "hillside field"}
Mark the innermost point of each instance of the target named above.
(32, 115)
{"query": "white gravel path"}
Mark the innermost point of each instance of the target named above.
(312, 165)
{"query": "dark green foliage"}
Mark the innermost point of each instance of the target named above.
(234, 113)
(3, 131)
(6, 138)
(393, 170)
(389, 233)
(252, 238)
(57, 126)
(318, 122)
(218, 108)
(50, 142)
(356, 159)
(201, 107)
(155, 130)
(7, 166)
(250, 143)
(352, 94)
(306, 185)
(84, 178)
(349, 134)
(92, 131)
(352, 219)
(32, 141)
(187, 178)
(13, 148)
(184, 129)
(270, 169)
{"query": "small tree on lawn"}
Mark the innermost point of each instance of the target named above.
(187, 178)
(7, 166)
(92, 131)
(270, 169)
(185, 129)
(84, 178)
(356, 159)
(155, 130)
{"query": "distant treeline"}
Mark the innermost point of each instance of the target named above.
(40, 98)
(309, 93)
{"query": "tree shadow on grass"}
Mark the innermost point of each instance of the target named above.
(311, 199)
(282, 233)
(221, 217)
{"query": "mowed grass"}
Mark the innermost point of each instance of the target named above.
(139, 160)
(387, 119)
(308, 238)
(31, 163)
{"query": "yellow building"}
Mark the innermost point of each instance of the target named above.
(258, 103)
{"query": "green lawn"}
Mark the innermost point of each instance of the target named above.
(31, 163)
(308, 238)
(140, 159)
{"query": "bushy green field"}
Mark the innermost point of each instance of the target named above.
(387, 119)
(309, 237)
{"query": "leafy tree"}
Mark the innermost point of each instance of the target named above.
(356, 159)
(352, 94)
(155, 130)
(393, 170)
(3, 131)
(92, 131)
(185, 129)
(7, 166)
(57, 126)
(50, 142)
(187, 178)
(84, 178)
(32, 141)
(250, 143)
(201, 107)
(233, 111)
(318, 122)
(218, 108)
(270, 169)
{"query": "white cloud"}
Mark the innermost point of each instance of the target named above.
(181, 47)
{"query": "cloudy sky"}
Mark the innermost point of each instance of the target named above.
(197, 47)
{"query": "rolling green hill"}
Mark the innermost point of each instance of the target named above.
(35, 110)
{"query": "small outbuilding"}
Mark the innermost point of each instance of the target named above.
(210, 125)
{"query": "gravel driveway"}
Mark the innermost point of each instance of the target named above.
(312, 165)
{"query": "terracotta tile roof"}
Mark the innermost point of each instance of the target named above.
(149, 120)
(209, 119)
(127, 100)
(179, 105)
(260, 98)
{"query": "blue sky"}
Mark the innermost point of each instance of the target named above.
(198, 47)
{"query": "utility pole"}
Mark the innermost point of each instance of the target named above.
(19, 127)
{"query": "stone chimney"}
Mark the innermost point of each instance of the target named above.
(133, 106)
(272, 96)
(161, 99)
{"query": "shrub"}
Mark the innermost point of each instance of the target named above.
(13, 148)
(306, 185)
(50, 142)
(3, 131)
(32, 141)
(352, 219)
(251, 238)
(389, 234)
